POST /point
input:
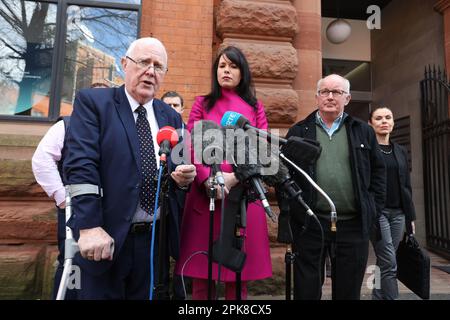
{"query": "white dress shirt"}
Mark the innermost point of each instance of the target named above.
(140, 215)
(154, 127)
(45, 162)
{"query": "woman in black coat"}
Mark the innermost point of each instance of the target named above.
(399, 209)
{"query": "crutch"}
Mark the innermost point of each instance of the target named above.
(70, 245)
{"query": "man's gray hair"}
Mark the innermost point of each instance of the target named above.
(346, 82)
(149, 41)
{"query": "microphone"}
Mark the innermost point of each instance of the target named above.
(250, 170)
(207, 138)
(300, 150)
(231, 118)
(166, 138)
(282, 180)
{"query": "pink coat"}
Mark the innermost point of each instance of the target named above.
(195, 224)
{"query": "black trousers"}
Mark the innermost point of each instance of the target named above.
(348, 260)
(129, 276)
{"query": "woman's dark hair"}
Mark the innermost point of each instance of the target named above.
(245, 87)
(375, 109)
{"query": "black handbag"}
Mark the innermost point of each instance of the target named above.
(413, 267)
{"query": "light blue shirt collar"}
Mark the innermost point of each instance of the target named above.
(334, 127)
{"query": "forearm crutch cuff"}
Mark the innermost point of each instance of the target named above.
(83, 188)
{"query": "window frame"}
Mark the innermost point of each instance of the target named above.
(57, 73)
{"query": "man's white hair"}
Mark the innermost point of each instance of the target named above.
(148, 41)
(346, 82)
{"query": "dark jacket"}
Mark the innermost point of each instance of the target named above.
(401, 155)
(367, 165)
(103, 149)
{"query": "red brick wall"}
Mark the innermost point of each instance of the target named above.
(186, 29)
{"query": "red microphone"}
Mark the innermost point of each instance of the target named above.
(166, 138)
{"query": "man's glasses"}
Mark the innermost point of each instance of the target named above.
(336, 93)
(143, 64)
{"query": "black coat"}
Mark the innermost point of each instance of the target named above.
(401, 155)
(367, 166)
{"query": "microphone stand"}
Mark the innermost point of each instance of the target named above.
(289, 259)
(212, 196)
(241, 222)
(161, 289)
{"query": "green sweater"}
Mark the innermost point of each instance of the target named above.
(334, 175)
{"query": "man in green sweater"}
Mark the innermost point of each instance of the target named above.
(352, 173)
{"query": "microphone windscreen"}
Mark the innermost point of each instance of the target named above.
(302, 151)
(167, 133)
(208, 141)
(280, 176)
(273, 170)
(241, 147)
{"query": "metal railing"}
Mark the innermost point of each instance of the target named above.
(435, 89)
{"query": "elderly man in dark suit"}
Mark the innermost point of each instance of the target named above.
(112, 144)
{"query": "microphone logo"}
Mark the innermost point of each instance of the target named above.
(229, 118)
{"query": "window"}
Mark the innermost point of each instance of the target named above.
(41, 68)
(357, 72)
(27, 35)
(360, 77)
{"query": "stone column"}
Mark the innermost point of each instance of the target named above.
(443, 7)
(308, 43)
(264, 31)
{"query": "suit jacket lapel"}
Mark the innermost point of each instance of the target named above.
(163, 120)
(126, 116)
(161, 116)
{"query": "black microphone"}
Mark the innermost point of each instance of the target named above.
(282, 180)
(302, 151)
(231, 118)
(208, 142)
(249, 169)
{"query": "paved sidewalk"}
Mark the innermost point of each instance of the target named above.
(440, 283)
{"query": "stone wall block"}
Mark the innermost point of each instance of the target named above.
(276, 61)
(21, 271)
(27, 221)
(256, 18)
(280, 104)
(17, 179)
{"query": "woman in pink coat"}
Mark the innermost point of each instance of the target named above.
(232, 90)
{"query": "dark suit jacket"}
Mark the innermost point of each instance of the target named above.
(103, 149)
(401, 155)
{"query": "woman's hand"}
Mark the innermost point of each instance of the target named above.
(230, 180)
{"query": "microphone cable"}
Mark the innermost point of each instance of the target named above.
(152, 246)
(184, 265)
(222, 207)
